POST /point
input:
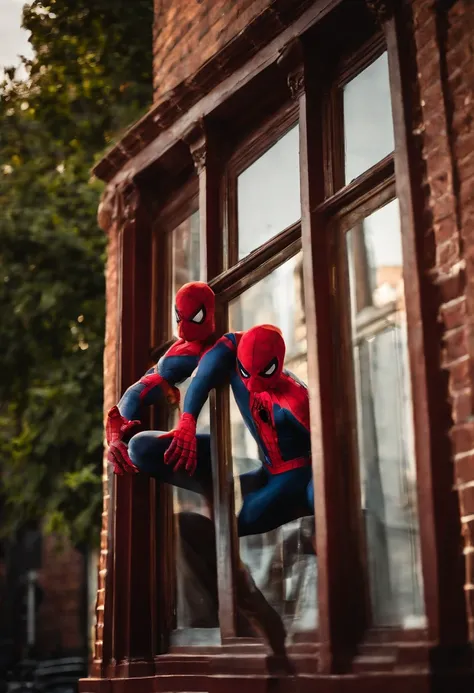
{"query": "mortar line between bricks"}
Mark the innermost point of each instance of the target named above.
(457, 361)
(454, 301)
(465, 485)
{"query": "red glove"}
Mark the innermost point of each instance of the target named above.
(182, 450)
(118, 427)
(118, 456)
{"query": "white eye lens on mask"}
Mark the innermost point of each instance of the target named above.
(199, 317)
(270, 369)
(243, 371)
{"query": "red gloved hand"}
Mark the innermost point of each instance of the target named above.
(182, 450)
(118, 427)
(118, 456)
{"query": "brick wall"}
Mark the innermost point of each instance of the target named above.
(445, 57)
(189, 32)
(61, 578)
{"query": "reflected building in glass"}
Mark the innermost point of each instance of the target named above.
(282, 562)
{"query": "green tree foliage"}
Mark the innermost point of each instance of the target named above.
(90, 78)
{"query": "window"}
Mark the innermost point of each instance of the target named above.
(300, 215)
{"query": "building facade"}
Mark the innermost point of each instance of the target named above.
(44, 611)
(314, 161)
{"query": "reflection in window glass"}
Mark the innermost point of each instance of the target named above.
(184, 257)
(282, 562)
(368, 127)
(385, 419)
(268, 194)
(196, 588)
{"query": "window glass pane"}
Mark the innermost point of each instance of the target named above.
(281, 562)
(184, 257)
(196, 577)
(385, 419)
(268, 194)
(368, 127)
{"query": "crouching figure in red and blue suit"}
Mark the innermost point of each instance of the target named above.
(194, 307)
(275, 407)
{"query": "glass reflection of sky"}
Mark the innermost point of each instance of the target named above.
(268, 194)
(368, 126)
(383, 237)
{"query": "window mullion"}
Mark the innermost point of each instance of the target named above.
(341, 615)
(204, 148)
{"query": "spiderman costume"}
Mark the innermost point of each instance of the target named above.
(275, 407)
(195, 318)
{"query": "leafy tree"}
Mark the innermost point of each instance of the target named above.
(89, 78)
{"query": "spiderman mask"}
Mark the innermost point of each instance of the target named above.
(260, 357)
(194, 309)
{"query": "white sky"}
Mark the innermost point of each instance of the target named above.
(13, 39)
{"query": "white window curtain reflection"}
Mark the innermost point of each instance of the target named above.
(385, 419)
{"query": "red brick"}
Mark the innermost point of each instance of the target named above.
(422, 12)
(462, 405)
(454, 314)
(466, 165)
(456, 343)
(425, 27)
(469, 558)
(426, 52)
(443, 206)
(462, 437)
(464, 469)
(467, 191)
(445, 230)
(431, 98)
(440, 184)
(447, 253)
(468, 533)
(429, 70)
(434, 131)
(451, 286)
(438, 157)
(466, 500)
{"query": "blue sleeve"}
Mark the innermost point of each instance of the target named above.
(173, 369)
(129, 405)
(214, 369)
(176, 369)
